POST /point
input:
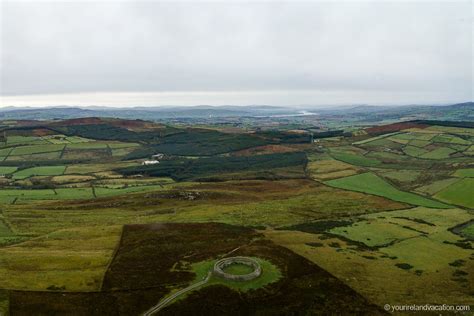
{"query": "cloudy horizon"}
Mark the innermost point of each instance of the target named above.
(152, 53)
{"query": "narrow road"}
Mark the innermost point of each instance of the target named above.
(169, 299)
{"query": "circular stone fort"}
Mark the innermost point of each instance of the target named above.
(221, 265)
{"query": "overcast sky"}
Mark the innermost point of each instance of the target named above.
(188, 53)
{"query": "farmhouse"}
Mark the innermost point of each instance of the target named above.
(150, 162)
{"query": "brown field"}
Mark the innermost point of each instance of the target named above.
(395, 127)
(330, 169)
(264, 150)
(42, 132)
(71, 179)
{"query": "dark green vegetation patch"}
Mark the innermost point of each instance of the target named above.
(201, 168)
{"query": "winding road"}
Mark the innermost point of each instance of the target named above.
(170, 298)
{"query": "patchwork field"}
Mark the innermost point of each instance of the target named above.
(107, 217)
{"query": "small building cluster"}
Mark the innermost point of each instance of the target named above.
(154, 160)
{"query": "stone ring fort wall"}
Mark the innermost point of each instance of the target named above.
(220, 265)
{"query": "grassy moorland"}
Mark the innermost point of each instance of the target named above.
(84, 224)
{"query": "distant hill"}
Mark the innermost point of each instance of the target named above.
(455, 112)
(148, 113)
(452, 112)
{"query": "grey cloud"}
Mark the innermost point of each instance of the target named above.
(74, 47)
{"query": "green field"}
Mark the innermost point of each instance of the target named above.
(36, 149)
(450, 139)
(459, 193)
(21, 140)
(402, 175)
(370, 183)
(354, 159)
(375, 233)
(122, 145)
(373, 139)
(469, 230)
(7, 170)
(39, 171)
(410, 136)
(439, 153)
(25, 195)
(122, 151)
(4, 230)
(87, 145)
(5, 151)
(8, 195)
(419, 143)
(77, 139)
(238, 269)
(7, 236)
(96, 167)
(436, 186)
(469, 173)
(55, 155)
(414, 151)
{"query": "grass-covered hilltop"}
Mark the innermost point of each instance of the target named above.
(107, 216)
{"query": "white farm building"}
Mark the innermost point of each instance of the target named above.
(150, 162)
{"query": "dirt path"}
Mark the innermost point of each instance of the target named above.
(169, 299)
